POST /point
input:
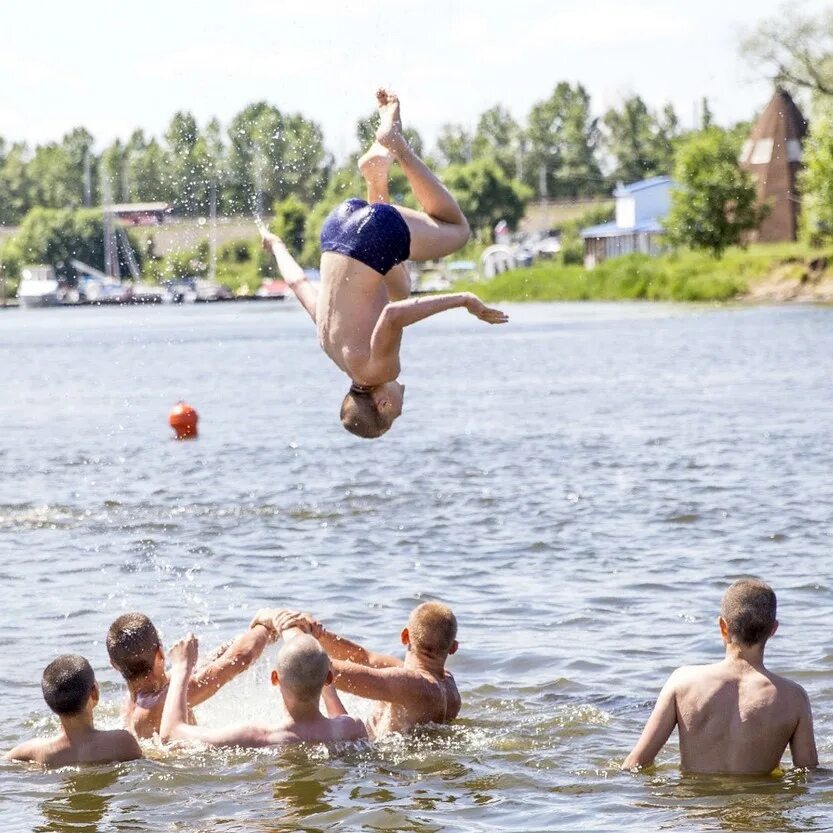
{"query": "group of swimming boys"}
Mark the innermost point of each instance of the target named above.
(734, 716)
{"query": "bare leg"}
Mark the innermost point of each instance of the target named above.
(442, 228)
(374, 166)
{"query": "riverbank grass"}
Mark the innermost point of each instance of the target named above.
(676, 276)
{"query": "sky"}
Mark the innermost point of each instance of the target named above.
(112, 67)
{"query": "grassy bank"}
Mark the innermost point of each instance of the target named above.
(678, 276)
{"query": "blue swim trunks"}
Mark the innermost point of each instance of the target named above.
(374, 234)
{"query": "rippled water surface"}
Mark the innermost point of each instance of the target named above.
(580, 485)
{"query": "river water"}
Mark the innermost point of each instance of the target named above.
(580, 486)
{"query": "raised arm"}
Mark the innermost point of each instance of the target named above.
(657, 730)
(290, 271)
(393, 685)
(803, 741)
(174, 724)
(341, 648)
(244, 651)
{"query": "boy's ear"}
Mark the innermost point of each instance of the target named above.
(405, 636)
(329, 679)
(454, 646)
(774, 628)
(95, 694)
(724, 628)
(276, 680)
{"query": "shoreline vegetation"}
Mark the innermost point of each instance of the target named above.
(760, 273)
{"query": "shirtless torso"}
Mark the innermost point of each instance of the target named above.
(434, 701)
(87, 746)
(732, 717)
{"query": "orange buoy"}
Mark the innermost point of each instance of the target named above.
(183, 419)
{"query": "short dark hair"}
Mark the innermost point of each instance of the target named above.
(749, 608)
(132, 643)
(67, 684)
(360, 416)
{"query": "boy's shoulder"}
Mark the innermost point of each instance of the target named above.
(348, 728)
(119, 743)
(34, 751)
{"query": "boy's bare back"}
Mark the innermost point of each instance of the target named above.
(734, 718)
(96, 747)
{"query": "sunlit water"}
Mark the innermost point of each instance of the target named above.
(580, 485)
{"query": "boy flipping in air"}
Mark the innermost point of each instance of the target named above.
(70, 690)
(734, 716)
(411, 692)
(136, 653)
(303, 673)
(363, 305)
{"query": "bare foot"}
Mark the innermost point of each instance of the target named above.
(389, 134)
(375, 163)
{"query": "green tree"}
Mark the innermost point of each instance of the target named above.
(499, 137)
(794, 48)
(562, 138)
(454, 145)
(486, 195)
(271, 156)
(14, 184)
(289, 223)
(640, 143)
(49, 235)
(714, 203)
(817, 179)
(344, 183)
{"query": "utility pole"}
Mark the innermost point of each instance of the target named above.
(212, 239)
(88, 180)
(2, 285)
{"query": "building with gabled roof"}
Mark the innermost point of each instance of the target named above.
(640, 209)
(773, 155)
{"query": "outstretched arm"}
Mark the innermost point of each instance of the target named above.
(244, 651)
(387, 334)
(341, 648)
(657, 730)
(392, 685)
(803, 741)
(290, 271)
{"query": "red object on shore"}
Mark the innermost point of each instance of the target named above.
(183, 419)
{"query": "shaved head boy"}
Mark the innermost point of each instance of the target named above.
(734, 716)
(409, 692)
(303, 675)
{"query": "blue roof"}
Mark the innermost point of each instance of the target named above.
(652, 226)
(623, 190)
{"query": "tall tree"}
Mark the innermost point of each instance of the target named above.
(794, 48)
(562, 138)
(639, 142)
(499, 137)
(454, 145)
(817, 178)
(486, 195)
(272, 156)
(714, 203)
(14, 184)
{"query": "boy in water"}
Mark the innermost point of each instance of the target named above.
(303, 672)
(416, 691)
(70, 690)
(363, 305)
(136, 653)
(734, 716)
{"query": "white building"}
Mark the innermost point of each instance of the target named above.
(640, 209)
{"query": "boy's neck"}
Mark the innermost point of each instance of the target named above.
(302, 711)
(148, 685)
(750, 654)
(419, 661)
(78, 724)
